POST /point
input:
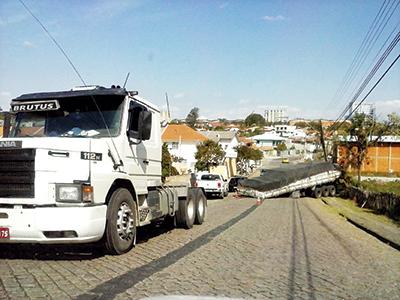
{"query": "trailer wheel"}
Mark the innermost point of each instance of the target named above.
(332, 190)
(187, 210)
(120, 232)
(317, 192)
(325, 191)
(201, 207)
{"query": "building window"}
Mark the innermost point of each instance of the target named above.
(174, 145)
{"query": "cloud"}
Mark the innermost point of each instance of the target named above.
(179, 95)
(28, 44)
(383, 108)
(277, 18)
(223, 5)
(12, 19)
(110, 9)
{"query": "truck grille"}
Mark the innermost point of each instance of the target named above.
(17, 173)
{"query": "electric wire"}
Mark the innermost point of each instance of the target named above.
(359, 51)
(370, 91)
(371, 43)
(76, 71)
(370, 76)
(363, 52)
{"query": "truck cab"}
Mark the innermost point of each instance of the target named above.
(82, 165)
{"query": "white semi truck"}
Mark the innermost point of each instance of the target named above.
(84, 165)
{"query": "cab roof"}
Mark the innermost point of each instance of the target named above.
(81, 92)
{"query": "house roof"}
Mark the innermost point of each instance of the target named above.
(245, 140)
(181, 132)
(216, 136)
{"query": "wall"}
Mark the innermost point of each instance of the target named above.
(185, 150)
(382, 159)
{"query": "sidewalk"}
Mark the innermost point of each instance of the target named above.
(379, 225)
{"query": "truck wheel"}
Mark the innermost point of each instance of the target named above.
(187, 209)
(201, 208)
(317, 192)
(120, 233)
(221, 196)
(332, 190)
(325, 191)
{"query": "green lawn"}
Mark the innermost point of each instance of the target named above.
(383, 187)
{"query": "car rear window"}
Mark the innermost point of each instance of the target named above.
(210, 177)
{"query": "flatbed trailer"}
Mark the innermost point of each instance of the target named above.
(311, 179)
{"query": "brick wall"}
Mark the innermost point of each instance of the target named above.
(382, 159)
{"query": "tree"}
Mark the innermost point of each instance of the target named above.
(245, 154)
(192, 117)
(209, 154)
(281, 147)
(166, 163)
(254, 120)
(364, 132)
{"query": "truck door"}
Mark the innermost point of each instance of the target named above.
(136, 163)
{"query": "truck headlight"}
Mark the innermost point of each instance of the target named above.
(68, 193)
(74, 193)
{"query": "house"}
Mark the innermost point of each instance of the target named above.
(228, 141)
(268, 139)
(383, 158)
(182, 141)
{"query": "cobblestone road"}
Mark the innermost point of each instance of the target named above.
(285, 248)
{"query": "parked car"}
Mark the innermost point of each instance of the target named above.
(213, 184)
(285, 160)
(234, 181)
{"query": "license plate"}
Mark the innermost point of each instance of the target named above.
(4, 233)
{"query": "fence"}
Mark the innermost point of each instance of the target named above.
(382, 203)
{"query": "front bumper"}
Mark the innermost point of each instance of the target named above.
(32, 225)
(215, 191)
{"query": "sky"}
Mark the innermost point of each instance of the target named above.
(228, 58)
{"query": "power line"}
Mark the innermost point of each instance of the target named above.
(369, 77)
(370, 45)
(379, 23)
(359, 51)
(80, 77)
(55, 42)
(370, 91)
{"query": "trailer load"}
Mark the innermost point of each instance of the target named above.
(316, 179)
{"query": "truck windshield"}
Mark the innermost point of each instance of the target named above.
(76, 117)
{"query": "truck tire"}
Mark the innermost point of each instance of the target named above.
(325, 191)
(317, 192)
(187, 210)
(221, 195)
(226, 193)
(332, 190)
(201, 207)
(120, 232)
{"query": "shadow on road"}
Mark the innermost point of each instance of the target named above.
(77, 251)
(295, 254)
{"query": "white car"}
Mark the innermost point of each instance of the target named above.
(213, 184)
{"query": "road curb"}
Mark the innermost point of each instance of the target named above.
(383, 232)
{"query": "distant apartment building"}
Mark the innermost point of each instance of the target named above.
(364, 108)
(276, 114)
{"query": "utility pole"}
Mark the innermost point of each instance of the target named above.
(322, 139)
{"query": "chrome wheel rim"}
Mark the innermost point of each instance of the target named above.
(125, 222)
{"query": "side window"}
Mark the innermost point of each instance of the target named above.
(134, 111)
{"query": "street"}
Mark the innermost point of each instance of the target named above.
(284, 248)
